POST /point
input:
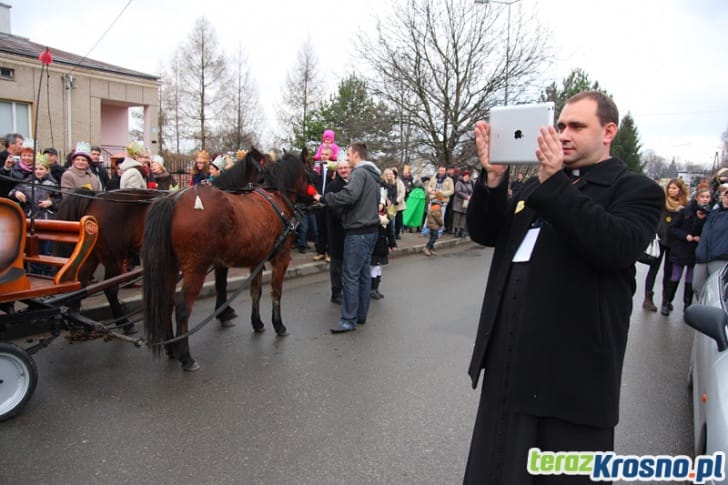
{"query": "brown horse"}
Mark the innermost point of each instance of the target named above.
(121, 215)
(202, 227)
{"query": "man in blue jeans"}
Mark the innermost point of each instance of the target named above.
(359, 202)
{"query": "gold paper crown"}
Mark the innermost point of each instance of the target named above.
(28, 143)
(203, 155)
(135, 148)
(42, 159)
(240, 154)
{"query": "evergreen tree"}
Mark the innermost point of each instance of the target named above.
(576, 82)
(355, 116)
(626, 145)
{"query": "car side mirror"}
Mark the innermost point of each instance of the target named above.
(709, 320)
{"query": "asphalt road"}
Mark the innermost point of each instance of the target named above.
(388, 403)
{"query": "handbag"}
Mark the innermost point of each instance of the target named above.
(391, 211)
(465, 203)
(651, 254)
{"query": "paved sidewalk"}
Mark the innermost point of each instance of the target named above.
(301, 265)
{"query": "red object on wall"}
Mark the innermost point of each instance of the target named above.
(45, 57)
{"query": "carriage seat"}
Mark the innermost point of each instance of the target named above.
(12, 245)
(19, 246)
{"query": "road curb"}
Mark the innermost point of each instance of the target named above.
(100, 311)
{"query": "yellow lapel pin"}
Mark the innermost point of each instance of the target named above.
(519, 206)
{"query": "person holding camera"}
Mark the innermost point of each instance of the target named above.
(555, 317)
(684, 237)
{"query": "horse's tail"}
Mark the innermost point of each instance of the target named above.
(160, 271)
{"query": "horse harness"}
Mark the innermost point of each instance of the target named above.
(288, 225)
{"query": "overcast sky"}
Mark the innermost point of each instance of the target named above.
(663, 60)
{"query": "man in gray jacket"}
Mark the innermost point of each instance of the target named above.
(359, 202)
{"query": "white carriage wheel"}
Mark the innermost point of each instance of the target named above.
(18, 378)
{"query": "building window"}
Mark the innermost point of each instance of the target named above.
(14, 118)
(7, 73)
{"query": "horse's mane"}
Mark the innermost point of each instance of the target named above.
(72, 208)
(236, 177)
(286, 174)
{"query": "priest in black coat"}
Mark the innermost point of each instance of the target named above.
(555, 316)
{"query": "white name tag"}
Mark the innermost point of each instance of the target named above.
(523, 254)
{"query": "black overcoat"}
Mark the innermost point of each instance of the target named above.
(335, 232)
(685, 222)
(569, 347)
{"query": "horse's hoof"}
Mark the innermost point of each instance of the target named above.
(227, 323)
(191, 366)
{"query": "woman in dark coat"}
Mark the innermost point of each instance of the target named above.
(336, 232)
(685, 235)
(676, 197)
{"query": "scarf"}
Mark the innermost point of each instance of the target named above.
(672, 205)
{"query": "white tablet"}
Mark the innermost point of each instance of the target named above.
(514, 131)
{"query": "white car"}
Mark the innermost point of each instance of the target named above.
(709, 366)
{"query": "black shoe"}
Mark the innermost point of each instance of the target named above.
(374, 295)
(665, 310)
(336, 299)
(361, 322)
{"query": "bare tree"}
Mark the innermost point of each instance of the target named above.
(239, 121)
(655, 166)
(449, 56)
(202, 74)
(171, 123)
(302, 93)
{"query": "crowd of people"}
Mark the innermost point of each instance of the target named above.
(690, 247)
(559, 294)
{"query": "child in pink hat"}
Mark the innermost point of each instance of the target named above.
(328, 140)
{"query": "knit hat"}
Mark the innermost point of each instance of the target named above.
(158, 159)
(330, 135)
